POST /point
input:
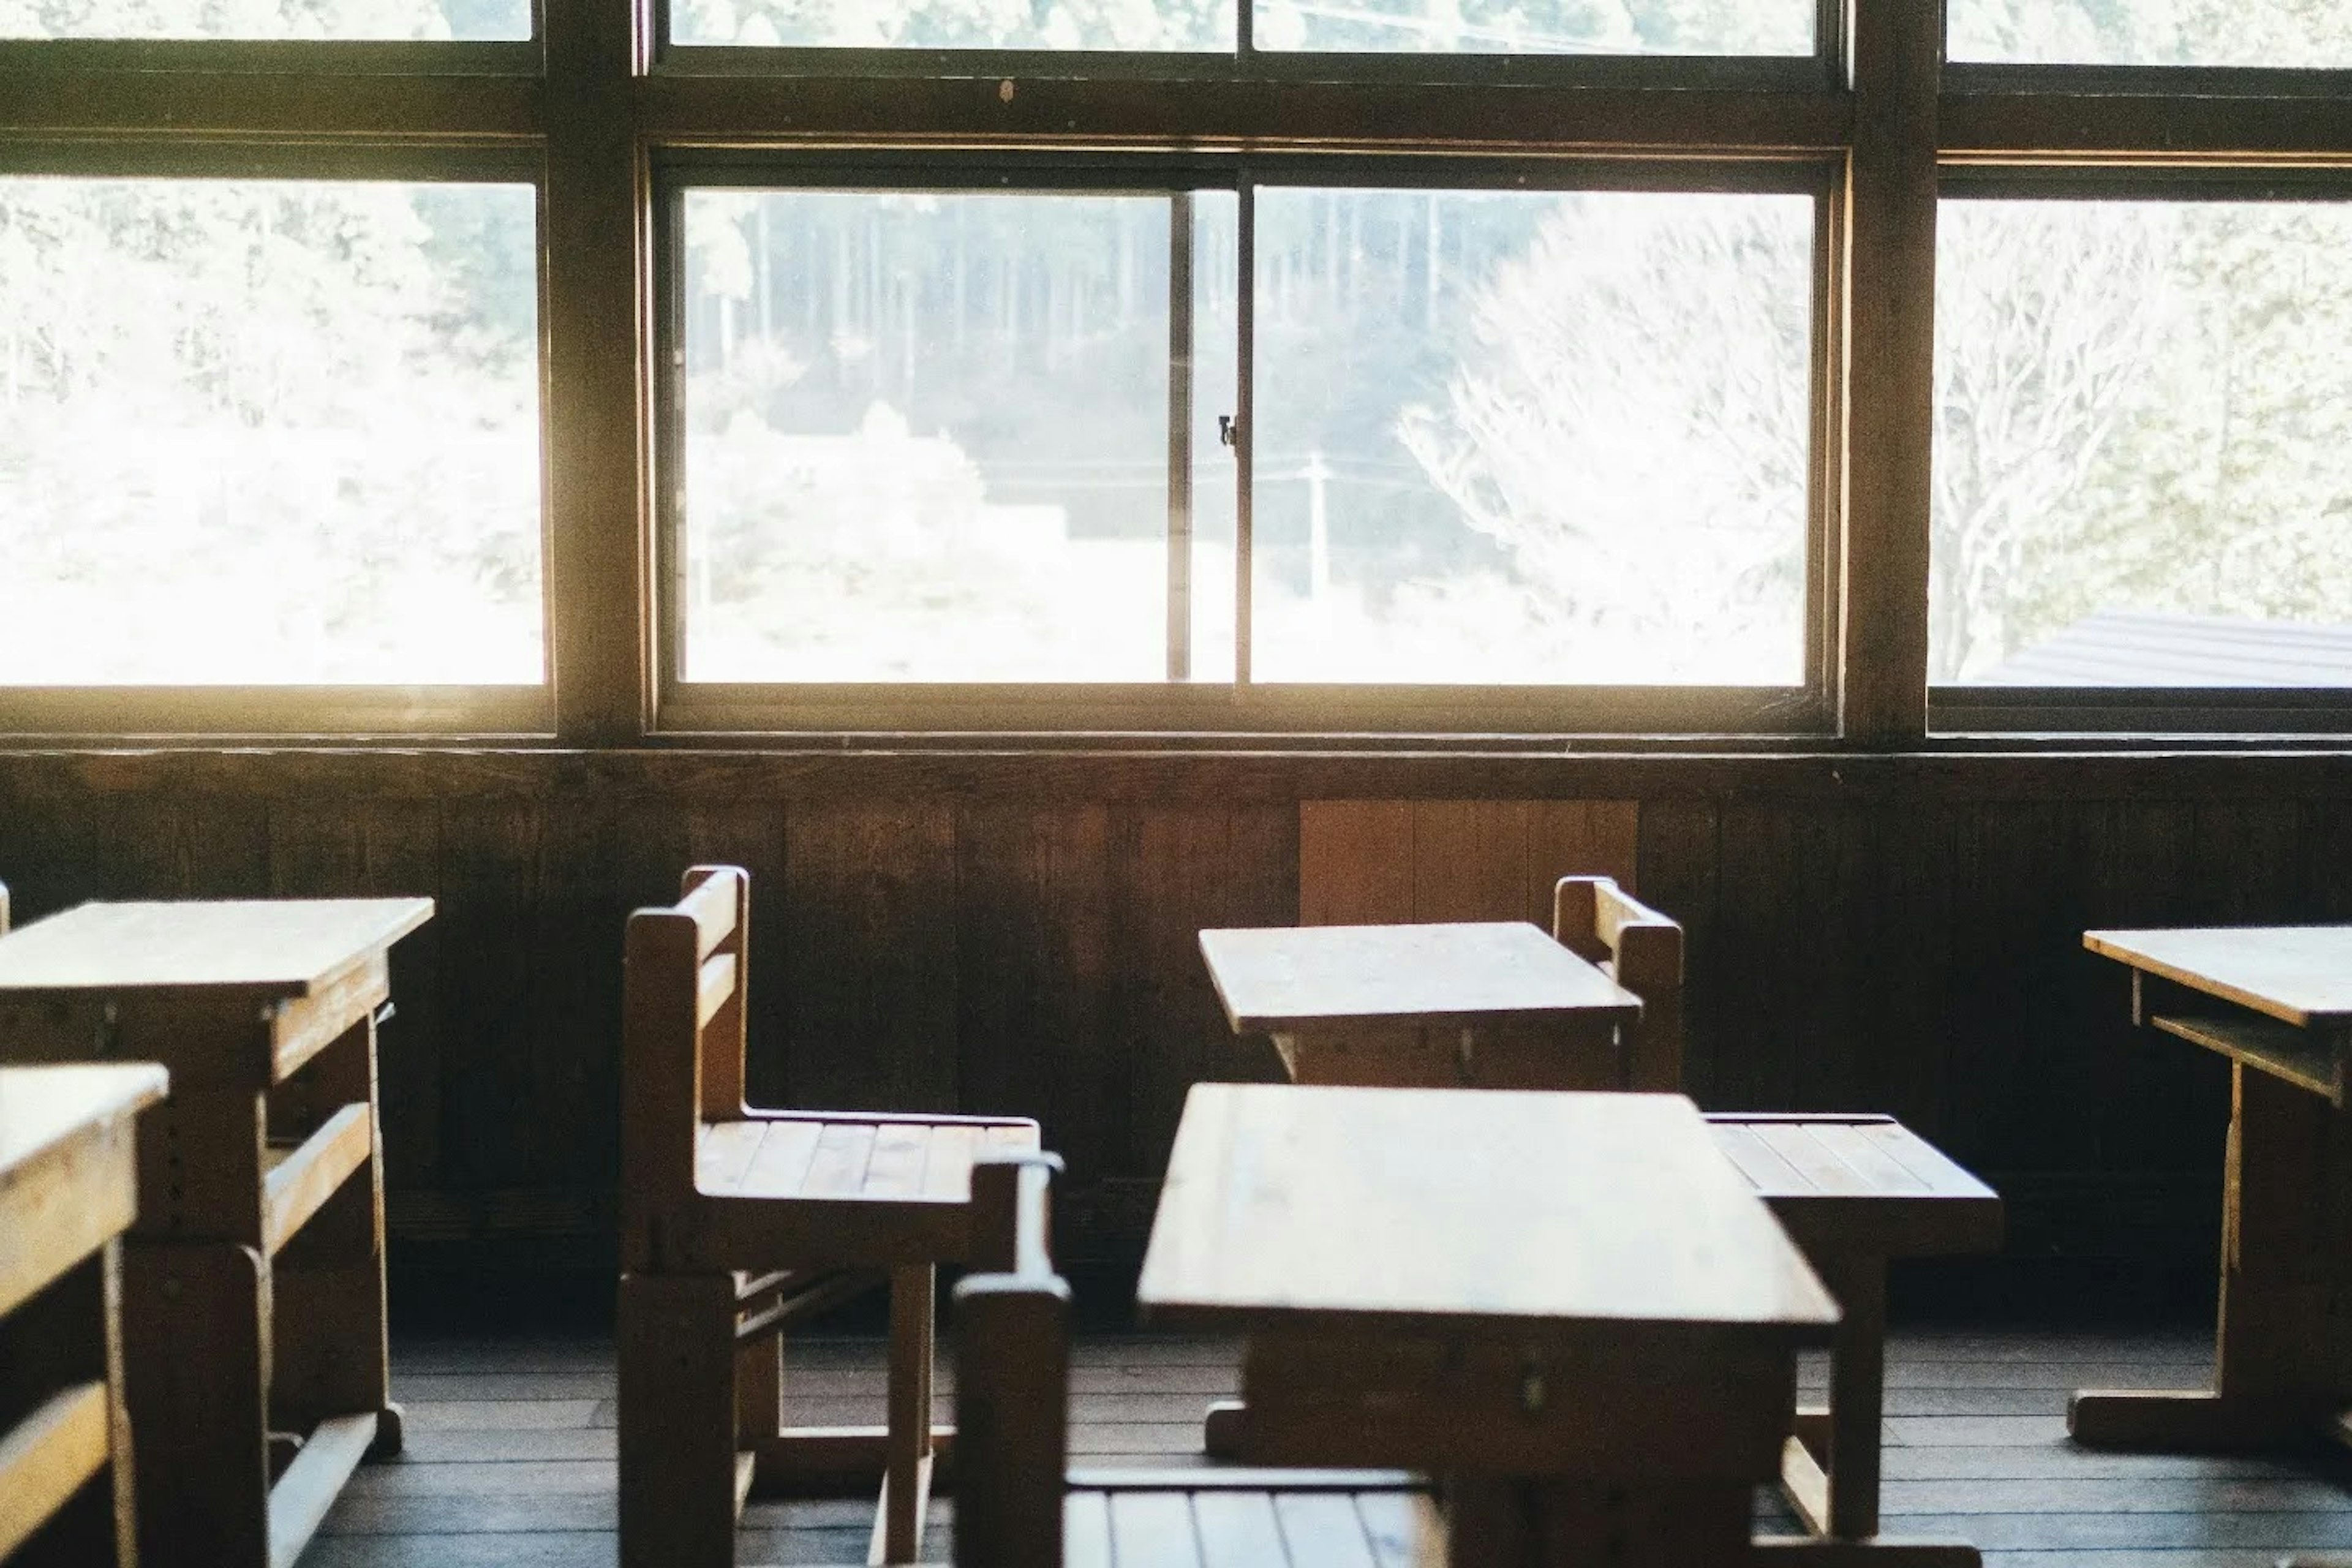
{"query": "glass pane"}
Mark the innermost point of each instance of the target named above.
(1539, 26)
(926, 437)
(1546, 439)
(2286, 33)
(268, 433)
(347, 21)
(1206, 26)
(2143, 445)
(1217, 378)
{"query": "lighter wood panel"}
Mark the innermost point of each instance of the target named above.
(1389, 862)
(1355, 862)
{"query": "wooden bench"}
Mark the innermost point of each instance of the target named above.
(68, 1188)
(1854, 1192)
(253, 1300)
(734, 1222)
(1018, 1508)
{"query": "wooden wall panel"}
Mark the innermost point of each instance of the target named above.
(491, 939)
(1177, 872)
(1032, 974)
(1390, 862)
(1355, 862)
(868, 912)
(1910, 942)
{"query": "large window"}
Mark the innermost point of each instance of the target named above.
(1596, 28)
(1181, 373)
(1494, 437)
(320, 20)
(269, 433)
(2273, 33)
(2144, 443)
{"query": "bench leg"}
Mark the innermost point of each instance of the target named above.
(1857, 1396)
(907, 1472)
(682, 1476)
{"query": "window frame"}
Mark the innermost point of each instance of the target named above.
(1958, 711)
(386, 709)
(1242, 705)
(1246, 63)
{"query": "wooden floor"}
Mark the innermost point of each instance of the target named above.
(510, 1448)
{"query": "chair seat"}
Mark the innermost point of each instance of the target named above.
(817, 1158)
(1202, 1519)
(1861, 1184)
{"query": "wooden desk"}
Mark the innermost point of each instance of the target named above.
(253, 1277)
(68, 1187)
(1428, 1007)
(2277, 1002)
(1572, 1307)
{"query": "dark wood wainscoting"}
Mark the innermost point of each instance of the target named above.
(1016, 933)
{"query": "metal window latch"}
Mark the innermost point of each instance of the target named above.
(1229, 430)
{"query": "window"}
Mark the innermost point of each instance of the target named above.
(1104, 25)
(320, 20)
(927, 435)
(1208, 370)
(2276, 33)
(2144, 444)
(1520, 438)
(1610, 27)
(265, 432)
(1498, 437)
(1542, 27)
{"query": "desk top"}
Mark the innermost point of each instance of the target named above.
(2299, 975)
(1300, 978)
(1441, 1209)
(43, 1106)
(275, 948)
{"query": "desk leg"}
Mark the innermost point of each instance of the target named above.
(195, 1325)
(331, 1355)
(2283, 1352)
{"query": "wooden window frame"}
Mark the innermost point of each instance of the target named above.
(1240, 705)
(595, 101)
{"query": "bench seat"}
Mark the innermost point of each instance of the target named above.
(1861, 1185)
(827, 1157)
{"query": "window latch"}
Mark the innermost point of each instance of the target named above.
(1229, 430)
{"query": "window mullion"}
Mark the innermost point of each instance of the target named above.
(1244, 428)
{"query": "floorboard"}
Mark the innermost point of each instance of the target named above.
(510, 1453)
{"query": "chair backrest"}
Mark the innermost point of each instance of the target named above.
(682, 1028)
(1013, 1373)
(1597, 919)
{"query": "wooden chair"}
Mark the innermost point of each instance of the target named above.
(1642, 950)
(1018, 1507)
(1854, 1192)
(735, 1221)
